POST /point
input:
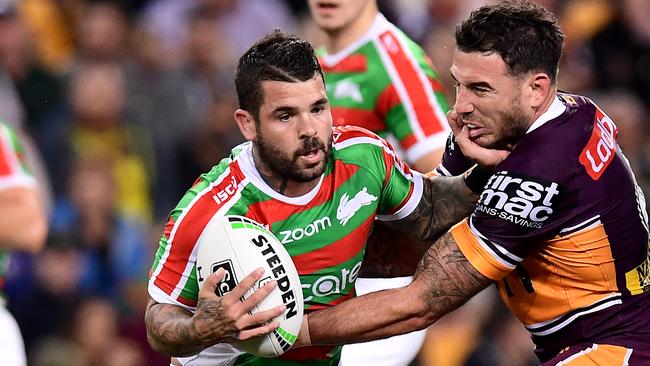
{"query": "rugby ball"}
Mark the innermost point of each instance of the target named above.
(240, 245)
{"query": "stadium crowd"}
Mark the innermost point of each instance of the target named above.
(124, 103)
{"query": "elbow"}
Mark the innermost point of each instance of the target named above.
(155, 345)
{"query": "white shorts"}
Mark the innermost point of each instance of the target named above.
(12, 349)
(394, 351)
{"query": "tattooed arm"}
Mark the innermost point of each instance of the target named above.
(445, 201)
(444, 281)
(175, 331)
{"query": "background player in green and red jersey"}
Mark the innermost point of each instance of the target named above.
(23, 226)
(318, 188)
(379, 79)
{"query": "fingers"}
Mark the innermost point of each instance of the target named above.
(259, 295)
(260, 319)
(211, 283)
(246, 284)
(258, 331)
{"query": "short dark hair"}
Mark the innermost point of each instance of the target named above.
(278, 56)
(525, 35)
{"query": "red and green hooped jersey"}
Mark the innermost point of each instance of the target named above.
(324, 231)
(14, 172)
(385, 82)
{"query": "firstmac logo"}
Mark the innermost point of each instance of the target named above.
(522, 200)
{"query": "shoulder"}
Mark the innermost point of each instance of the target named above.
(352, 145)
(399, 48)
(350, 139)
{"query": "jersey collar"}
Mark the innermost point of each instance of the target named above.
(247, 164)
(379, 25)
(554, 111)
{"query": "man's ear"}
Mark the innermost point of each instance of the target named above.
(539, 87)
(246, 124)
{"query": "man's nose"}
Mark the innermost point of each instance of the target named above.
(307, 126)
(463, 102)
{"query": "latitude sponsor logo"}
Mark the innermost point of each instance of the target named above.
(331, 284)
(313, 228)
(522, 200)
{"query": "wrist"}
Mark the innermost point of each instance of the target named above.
(476, 178)
(304, 339)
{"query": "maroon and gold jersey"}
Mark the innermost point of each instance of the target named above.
(562, 227)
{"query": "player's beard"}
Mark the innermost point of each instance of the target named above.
(514, 124)
(286, 166)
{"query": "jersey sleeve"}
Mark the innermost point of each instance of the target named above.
(402, 188)
(413, 105)
(397, 188)
(14, 171)
(172, 279)
(453, 161)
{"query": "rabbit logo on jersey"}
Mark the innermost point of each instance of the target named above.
(522, 200)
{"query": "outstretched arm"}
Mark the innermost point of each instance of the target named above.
(444, 281)
(175, 331)
(445, 201)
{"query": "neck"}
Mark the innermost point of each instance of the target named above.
(546, 104)
(280, 184)
(343, 37)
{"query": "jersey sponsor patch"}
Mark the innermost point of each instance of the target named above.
(601, 148)
(523, 200)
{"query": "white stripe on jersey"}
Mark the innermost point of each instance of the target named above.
(358, 140)
(615, 300)
(424, 80)
(402, 90)
(589, 226)
(421, 148)
(192, 259)
(480, 238)
(412, 203)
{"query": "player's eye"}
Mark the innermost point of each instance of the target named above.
(284, 117)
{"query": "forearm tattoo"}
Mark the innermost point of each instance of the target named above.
(448, 277)
(171, 329)
(445, 201)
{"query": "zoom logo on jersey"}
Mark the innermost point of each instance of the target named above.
(289, 236)
(520, 199)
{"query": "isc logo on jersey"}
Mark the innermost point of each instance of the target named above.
(520, 199)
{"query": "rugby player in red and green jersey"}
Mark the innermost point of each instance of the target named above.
(379, 79)
(561, 228)
(23, 226)
(318, 188)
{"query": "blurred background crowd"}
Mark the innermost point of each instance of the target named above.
(125, 103)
